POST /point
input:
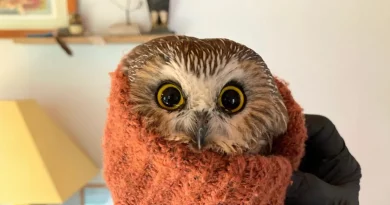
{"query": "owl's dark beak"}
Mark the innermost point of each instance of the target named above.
(202, 128)
(200, 137)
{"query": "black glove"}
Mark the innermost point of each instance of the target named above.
(328, 174)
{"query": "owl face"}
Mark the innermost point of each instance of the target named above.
(209, 93)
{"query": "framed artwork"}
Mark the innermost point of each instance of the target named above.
(21, 17)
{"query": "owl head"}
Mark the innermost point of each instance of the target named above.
(212, 94)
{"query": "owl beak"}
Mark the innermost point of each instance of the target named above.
(202, 119)
(200, 137)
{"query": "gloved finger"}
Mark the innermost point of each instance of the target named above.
(324, 140)
(308, 189)
(298, 186)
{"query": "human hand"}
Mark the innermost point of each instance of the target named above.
(328, 174)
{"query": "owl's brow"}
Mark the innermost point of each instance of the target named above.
(134, 64)
(144, 52)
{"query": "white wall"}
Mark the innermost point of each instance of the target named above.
(334, 54)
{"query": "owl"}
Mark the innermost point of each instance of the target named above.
(212, 94)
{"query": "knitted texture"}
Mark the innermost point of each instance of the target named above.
(141, 168)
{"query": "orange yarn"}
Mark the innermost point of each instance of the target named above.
(143, 169)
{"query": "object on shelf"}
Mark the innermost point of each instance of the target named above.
(126, 28)
(40, 35)
(54, 35)
(63, 45)
(76, 27)
(159, 15)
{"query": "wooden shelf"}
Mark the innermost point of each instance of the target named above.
(98, 40)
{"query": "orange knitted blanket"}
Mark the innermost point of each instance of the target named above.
(143, 169)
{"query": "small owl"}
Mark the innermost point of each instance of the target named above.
(212, 94)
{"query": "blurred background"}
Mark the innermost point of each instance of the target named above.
(334, 54)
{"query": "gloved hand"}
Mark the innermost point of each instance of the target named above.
(328, 174)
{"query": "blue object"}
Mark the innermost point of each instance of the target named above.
(40, 35)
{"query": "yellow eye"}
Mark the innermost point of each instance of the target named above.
(170, 97)
(231, 99)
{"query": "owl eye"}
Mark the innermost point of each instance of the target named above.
(169, 97)
(231, 99)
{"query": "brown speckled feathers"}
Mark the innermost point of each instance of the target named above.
(201, 68)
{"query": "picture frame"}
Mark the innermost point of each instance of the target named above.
(36, 17)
